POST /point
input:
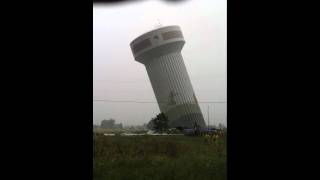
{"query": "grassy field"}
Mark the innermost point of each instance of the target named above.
(158, 158)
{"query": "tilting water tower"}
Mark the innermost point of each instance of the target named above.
(160, 51)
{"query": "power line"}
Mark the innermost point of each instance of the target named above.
(134, 101)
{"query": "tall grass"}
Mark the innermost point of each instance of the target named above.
(158, 158)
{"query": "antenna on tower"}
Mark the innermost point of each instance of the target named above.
(159, 24)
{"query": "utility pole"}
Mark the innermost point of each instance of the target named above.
(208, 117)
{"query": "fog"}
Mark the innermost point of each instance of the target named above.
(117, 76)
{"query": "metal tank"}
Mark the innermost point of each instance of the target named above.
(160, 51)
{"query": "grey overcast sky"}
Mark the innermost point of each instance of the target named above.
(117, 76)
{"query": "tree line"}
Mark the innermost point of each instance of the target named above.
(109, 124)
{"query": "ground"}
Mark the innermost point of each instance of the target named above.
(159, 158)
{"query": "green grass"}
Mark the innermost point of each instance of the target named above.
(158, 158)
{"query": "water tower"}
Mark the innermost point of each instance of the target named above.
(160, 51)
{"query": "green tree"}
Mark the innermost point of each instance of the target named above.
(150, 124)
(160, 123)
(107, 124)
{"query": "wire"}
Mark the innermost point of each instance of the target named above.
(133, 101)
